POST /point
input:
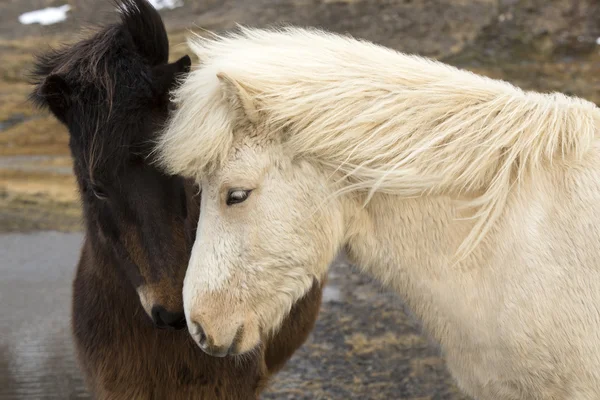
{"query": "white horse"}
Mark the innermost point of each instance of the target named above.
(477, 202)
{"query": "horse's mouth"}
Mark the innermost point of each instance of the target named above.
(178, 326)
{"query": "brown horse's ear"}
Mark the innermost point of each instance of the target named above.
(239, 97)
(164, 77)
(54, 93)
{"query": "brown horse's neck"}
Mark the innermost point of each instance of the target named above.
(101, 266)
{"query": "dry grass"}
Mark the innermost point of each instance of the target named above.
(360, 344)
(58, 187)
(19, 212)
(34, 131)
(37, 200)
(40, 135)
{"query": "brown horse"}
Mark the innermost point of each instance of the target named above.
(112, 93)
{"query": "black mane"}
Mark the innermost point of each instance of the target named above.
(108, 79)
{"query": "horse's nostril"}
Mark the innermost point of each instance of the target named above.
(166, 319)
(201, 334)
(207, 344)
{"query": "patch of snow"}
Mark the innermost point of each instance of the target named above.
(170, 4)
(45, 16)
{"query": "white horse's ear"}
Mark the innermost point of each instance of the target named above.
(239, 96)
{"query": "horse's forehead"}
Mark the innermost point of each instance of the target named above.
(246, 150)
(245, 161)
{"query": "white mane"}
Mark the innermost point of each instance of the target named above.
(390, 122)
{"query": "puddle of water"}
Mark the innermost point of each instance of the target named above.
(37, 358)
(45, 16)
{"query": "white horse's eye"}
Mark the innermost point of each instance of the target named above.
(235, 196)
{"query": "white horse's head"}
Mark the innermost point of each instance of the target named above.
(268, 228)
(265, 235)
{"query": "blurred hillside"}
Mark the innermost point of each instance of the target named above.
(548, 45)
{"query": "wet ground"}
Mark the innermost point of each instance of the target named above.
(36, 356)
(363, 347)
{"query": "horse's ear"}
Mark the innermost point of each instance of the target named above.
(164, 77)
(145, 25)
(54, 93)
(239, 97)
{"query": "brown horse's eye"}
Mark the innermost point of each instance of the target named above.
(99, 192)
(235, 196)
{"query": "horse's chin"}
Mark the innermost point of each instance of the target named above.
(247, 348)
(248, 339)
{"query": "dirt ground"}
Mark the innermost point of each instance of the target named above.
(547, 45)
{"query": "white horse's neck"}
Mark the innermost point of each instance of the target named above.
(408, 245)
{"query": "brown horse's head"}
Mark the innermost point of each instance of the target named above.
(112, 93)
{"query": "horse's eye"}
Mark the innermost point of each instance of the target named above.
(235, 196)
(99, 192)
